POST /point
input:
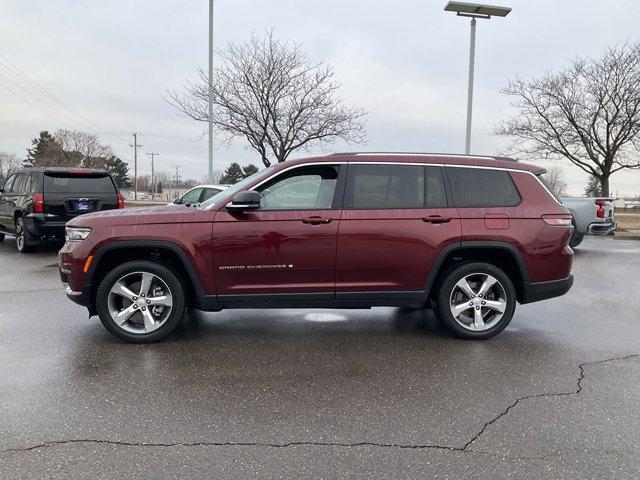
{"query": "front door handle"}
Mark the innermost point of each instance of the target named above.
(436, 219)
(315, 220)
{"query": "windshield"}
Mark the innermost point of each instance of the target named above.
(241, 185)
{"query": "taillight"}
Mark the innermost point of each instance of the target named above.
(38, 203)
(557, 220)
(120, 200)
(600, 204)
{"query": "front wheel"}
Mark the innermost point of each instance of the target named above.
(140, 301)
(476, 301)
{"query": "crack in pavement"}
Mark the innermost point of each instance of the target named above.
(465, 449)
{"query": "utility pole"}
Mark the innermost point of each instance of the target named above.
(153, 172)
(135, 164)
(210, 91)
(177, 177)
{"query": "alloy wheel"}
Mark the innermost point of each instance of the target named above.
(20, 234)
(478, 301)
(140, 302)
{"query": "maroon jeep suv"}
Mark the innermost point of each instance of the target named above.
(469, 236)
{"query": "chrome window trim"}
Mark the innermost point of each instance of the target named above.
(356, 162)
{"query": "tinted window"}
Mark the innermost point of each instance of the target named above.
(78, 184)
(18, 185)
(8, 185)
(386, 186)
(436, 196)
(476, 187)
(305, 188)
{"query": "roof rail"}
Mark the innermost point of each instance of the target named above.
(432, 154)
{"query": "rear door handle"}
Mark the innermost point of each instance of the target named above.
(436, 219)
(316, 220)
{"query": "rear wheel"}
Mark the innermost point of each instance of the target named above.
(140, 301)
(576, 237)
(24, 240)
(476, 301)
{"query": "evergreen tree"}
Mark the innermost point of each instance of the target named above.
(594, 187)
(119, 170)
(44, 152)
(233, 174)
(249, 170)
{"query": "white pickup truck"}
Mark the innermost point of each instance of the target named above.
(591, 216)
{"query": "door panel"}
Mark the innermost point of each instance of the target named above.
(390, 250)
(275, 252)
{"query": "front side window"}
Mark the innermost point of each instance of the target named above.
(385, 186)
(191, 197)
(207, 193)
(305, 188)
(477, 187)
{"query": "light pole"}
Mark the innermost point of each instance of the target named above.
(473, 10)
(210, 91)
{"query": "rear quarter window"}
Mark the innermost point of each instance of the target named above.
(478, 187)
(78, 184)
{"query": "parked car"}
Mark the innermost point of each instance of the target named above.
(472, 235)
(198, 194)
(36, 203)
(591, 216)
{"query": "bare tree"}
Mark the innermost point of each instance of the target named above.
(556, 180)
(82, 149)
(9, 163)
(588, 113)
(271, 94)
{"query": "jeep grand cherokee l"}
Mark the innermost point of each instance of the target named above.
(37, 202)
(469, 235)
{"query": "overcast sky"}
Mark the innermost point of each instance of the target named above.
(405, 62)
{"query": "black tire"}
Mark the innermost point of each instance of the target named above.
(576, 237)
(167, 276)
(1, 237)
(24, 240)
(446, 290)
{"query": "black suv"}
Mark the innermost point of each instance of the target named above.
(37, 202)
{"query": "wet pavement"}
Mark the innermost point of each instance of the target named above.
(381, 393)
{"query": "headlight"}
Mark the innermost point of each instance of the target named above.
(73, 234)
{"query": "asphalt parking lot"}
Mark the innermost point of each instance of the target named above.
(324, 394)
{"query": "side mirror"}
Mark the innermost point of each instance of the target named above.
(176, 201)
(246, 200)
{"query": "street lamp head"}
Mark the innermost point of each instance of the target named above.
(476, 10)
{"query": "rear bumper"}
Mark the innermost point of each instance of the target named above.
(534, 292)
(38, 226)
(604, 228)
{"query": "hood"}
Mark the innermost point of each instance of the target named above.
(143, 216)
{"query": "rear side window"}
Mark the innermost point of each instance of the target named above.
(436, 196)
(385, 187)
(78, 184)
(477, 187)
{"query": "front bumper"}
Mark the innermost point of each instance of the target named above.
(604, 228)
(77, 297)
(536, 291)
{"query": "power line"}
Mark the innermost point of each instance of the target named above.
(47, 94)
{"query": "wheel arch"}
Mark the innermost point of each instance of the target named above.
(164, 252)
(501, 254)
